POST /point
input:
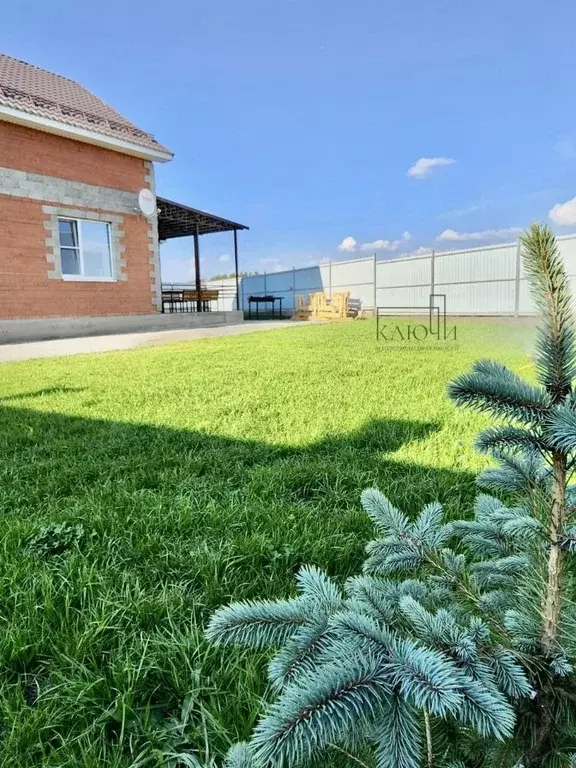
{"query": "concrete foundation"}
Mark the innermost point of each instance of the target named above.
(17, 331)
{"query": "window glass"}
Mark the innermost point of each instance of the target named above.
(68, 233)
(96, 249)
(85, 248)
(96, 260)
(70, 261)
(94, 232)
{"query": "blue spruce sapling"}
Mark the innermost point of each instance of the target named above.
(456, 645)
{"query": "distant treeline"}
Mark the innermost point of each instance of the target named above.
(227, 275)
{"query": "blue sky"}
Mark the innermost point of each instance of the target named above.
(301, 118)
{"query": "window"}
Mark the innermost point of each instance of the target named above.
(85, 251)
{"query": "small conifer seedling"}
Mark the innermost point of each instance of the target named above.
(455, 647)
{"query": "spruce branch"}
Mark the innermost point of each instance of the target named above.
(510, 439)
(550, 290)
(486, 709)
(318, 588)
(239, 756)
(318, 709)
(427, 678)
(258, 624)
(561, 429)
(302, 652)
(502, 571)
(378, 598)
(398, 736)
(520, 472)
(511, 400)
(384, 514)
(422, 675)
(510, 676)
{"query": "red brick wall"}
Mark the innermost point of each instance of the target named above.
(26, 291)
(27, 149)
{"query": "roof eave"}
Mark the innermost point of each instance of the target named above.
(159, 155)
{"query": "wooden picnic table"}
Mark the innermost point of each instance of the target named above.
(186, 299)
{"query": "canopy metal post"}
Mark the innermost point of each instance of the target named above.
(236, 268)
(197, 268)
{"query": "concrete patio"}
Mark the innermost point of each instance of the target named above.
(123, 341)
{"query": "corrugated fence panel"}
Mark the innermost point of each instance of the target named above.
(253, 285)
(409, 272)
(568, 251)
(226, 293)
(476, 266)
(356, 277)
(309, 280)
(364, 294)
(478, 298)
(325, 277)
(283, 291)
(280, 282)
(346, 276)
(416, 297)
(477, 281)
(525, 303)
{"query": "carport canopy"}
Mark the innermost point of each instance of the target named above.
(178, 220)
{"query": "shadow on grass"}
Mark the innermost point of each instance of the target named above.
(149, 486)
(176, 524)
(231, 517)
(41, 393)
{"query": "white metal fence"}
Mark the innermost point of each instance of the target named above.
(476, 281)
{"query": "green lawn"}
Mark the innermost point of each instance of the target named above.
(199, 472)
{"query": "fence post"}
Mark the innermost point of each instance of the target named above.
(517, 281)
(330, 280)
(265, 284)
(432, 272)
(374, 286)
(294, 302)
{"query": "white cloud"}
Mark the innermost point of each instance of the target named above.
(386, 245)
(493, 235)
(348, 244)
(564, 214)
(422, 251)
(425, 165)
(224, 257)
(379, 245)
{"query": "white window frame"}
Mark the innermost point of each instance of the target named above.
(81, 278)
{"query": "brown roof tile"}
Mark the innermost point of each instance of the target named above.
(30, 89)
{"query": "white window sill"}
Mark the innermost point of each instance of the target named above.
(87, 279)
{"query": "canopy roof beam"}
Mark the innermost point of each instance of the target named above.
(177, 220)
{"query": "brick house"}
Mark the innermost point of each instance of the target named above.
(73, 241)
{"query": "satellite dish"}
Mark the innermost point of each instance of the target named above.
(146, 202)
